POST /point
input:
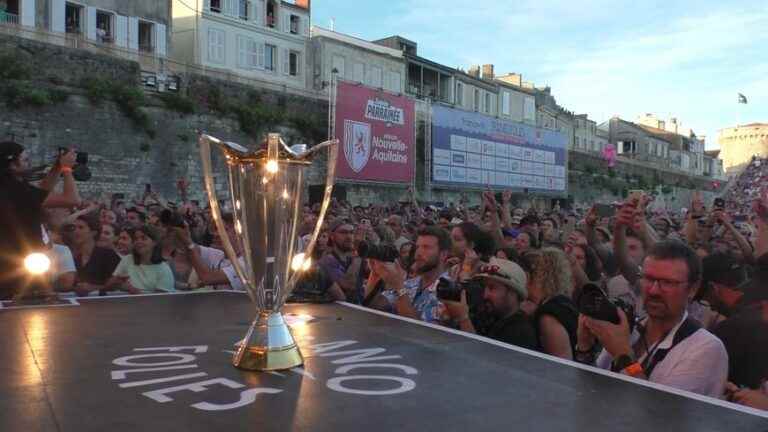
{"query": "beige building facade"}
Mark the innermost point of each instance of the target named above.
(738, 145)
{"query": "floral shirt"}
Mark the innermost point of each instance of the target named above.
(425, 301)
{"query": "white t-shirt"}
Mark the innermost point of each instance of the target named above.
(699, 363)
(234, 280)
(213, 258)
(61, 261)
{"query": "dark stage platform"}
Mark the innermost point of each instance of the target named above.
(161, 363)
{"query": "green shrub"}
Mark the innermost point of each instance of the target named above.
(178, 103)
(14, 68)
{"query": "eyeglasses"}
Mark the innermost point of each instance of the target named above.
(664, 284)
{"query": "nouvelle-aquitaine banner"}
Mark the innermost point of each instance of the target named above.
(376, 133)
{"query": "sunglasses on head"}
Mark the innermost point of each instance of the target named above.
(492, 270)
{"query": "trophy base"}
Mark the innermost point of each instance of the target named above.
(268, 345)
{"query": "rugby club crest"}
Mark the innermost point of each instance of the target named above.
(357, 144)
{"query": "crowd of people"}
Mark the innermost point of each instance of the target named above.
(680, 300)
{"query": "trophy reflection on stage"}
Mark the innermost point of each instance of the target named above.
(266, 189)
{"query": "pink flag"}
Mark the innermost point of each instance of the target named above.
(609, 154)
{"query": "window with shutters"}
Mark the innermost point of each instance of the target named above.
(105, 32)
(505, 99)
(146, 36)
(295, 24)
(216, 46)
(395, 82)
(271, 14)
(243, 9)
(376, 78)
(294, 63)
(74, 18)
(270, 57)
(359, 72)
(247, 53)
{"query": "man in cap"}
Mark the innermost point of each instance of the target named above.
(505, 286)
(344, 270)
(504, 289)
(745, 332)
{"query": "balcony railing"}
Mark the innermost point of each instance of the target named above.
(9, 18)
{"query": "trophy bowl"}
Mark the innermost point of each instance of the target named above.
(266, 189)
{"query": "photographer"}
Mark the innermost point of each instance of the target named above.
(417, 297)
(21, 210)
(504, 288)
(667, 347)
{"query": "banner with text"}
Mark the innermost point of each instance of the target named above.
(376, 133)
(474, 150)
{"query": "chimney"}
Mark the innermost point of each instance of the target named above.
(488, 72)
(303, 4)
(474, 71)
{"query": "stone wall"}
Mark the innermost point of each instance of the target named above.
(123, 156)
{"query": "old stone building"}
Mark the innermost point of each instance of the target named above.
(738, 145)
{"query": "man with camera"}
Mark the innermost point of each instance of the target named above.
(417, 297)
(668, 347)
(503, 286)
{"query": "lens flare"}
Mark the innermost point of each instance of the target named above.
(37, 263)
(300, 263)
(272, 166)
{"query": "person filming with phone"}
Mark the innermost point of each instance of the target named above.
(668, 347)
(21, 210)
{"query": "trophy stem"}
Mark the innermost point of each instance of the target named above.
(268, 345)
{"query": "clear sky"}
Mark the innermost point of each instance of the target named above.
(685, 59)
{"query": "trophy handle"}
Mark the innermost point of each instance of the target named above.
(205, 156)
(333, 153)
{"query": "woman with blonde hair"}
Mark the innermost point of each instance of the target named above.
(550, 287)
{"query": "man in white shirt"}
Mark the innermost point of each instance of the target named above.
(667, 347)
(63, 269)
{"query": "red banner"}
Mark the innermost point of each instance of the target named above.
(376, 133)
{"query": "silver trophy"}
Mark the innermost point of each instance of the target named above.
(266, 189)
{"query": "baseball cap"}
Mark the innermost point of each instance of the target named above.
(723, 268)
(505, 272)
(756, 289)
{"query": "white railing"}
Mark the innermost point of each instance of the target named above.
(151, 62)
(9, 18)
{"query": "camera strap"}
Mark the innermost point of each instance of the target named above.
(687, 328)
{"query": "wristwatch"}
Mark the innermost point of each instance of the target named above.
(401, 292)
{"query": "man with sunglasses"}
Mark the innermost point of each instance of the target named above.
(668, 347)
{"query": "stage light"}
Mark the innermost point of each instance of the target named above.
(37, 263)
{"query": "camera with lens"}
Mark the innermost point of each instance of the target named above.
(594, 303)
(451, 291)
(171, 218)
(384, 252)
